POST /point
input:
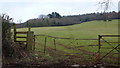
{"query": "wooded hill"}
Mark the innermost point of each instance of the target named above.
(58, 20)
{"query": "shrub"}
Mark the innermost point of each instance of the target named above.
(6, 36)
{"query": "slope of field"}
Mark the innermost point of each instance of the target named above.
(83, 30)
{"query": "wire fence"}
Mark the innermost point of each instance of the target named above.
(81, 50)
(72, 47)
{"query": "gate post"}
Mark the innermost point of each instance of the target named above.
(99, 46)
(30, 40)
(14, 32)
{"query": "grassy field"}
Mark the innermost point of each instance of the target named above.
(83, 30)
(86, 48)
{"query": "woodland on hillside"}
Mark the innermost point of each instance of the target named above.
(55, 19)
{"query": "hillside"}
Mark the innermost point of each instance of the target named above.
(84, 30)
(69, 20)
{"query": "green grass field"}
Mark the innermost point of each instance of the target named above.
(88, 30)
(83, 30)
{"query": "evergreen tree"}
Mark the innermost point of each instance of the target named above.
(54, 15)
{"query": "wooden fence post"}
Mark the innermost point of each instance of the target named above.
(34, 42)
(29, 28)
(30, 40)
(14, 32)
(45, 45)
(119, 52)
(54, 44)
(99, 46)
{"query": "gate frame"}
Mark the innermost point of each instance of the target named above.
(99, 45)
(30, 42)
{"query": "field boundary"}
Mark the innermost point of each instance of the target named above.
(55, 38)
(63, 37)
(98, 55)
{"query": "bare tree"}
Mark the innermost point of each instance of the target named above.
(104, 5)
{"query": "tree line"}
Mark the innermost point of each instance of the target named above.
(55, 19)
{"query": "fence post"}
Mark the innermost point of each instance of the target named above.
(54, 44)
(119, 53)
(29, 28)
(99, 46)
(14, 32)
(45, 45)
(34, 42)
(30, 40)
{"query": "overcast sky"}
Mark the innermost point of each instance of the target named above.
(28, 9)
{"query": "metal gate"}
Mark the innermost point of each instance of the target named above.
(109, 48)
